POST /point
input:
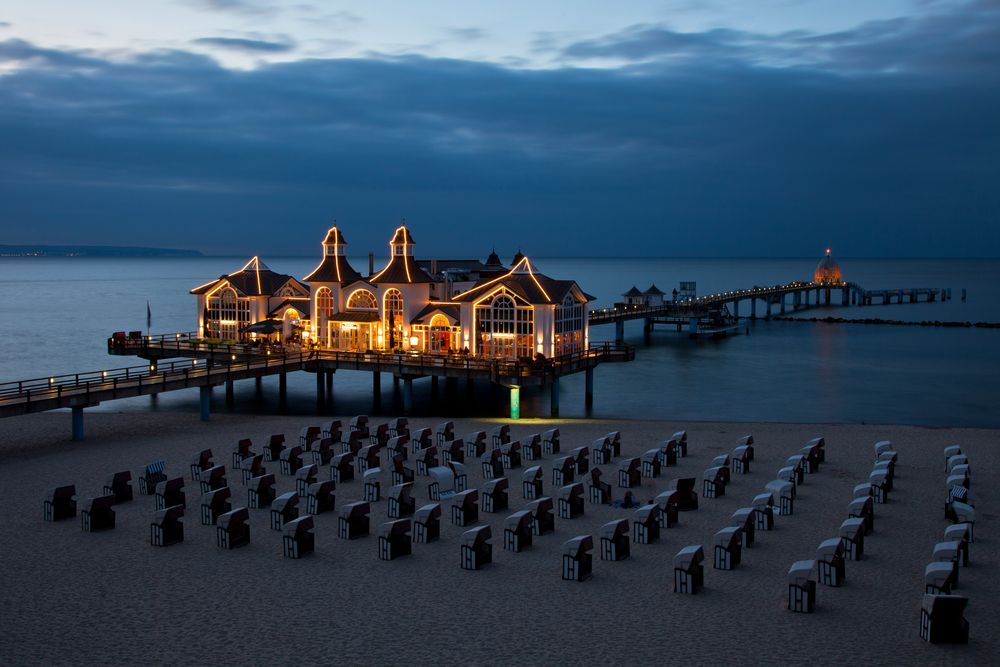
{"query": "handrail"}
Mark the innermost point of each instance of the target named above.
(246, 357)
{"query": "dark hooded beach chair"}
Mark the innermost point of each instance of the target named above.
(510, 455)
(600, 491)
(243, 449)
(495, 495)
(320, 497)
(167, 527)
(353, 521)
(500, 435)
(687, 496)
(571, 501)
(261, 492)
(98, 514)
(120, 487)
(830, 562)
(942, 619)
(802, 587)
(427, 523)
(272, 452)
(563, 471)
(465, 508)
(291, 460)
(421, 439)
(297, 537)
(233, 529)
(444, 432)
(427, 458)
(201, 461)
(531, 483)
(342, 468)
(394, 539)
(518, 531)
(400, 501)
(577, 559)
(689, 573)
(615, 543)
(304, 476)
(728, 548)
(544, 520)
(646, 524)
(630, 473)
(550, 441)
(214, 504)
(252, 466)
(477, 550)
(373, 485)
(475, 444)
(531, 447)
(60, 503)
(667, 502)
(285, 508)
(400, 474)
(170, 492)
(211, 479)
(453, 451)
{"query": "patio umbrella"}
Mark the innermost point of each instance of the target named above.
(263, 327)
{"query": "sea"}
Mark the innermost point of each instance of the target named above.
(56, 314)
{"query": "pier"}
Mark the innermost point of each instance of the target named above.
(718, 314)
(205, 366)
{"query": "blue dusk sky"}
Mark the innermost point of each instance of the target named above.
(583, 127)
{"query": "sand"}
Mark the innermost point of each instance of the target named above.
(71, 597)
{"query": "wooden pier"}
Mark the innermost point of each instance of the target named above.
(205, 366)
(716, 315)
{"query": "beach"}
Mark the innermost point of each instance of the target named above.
(72, 597)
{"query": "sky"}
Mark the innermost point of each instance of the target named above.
(699, 128)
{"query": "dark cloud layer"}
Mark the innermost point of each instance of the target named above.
(879, 141)
(245, 45)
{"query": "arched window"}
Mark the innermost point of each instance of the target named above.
(362, 299)
(392, 313)
(505, 328)
(324, 308)
(227, 314)
(569, 326)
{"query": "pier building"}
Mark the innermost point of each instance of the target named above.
(436, 306)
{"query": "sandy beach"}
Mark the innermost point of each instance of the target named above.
(78, 598)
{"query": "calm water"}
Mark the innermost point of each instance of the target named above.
(56, 313)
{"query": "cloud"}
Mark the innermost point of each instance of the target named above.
(870, 144)
(243, 7)
(6, 24)
(246, 45)
(467, 34)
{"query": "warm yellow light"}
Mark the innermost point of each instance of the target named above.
(232, 357)
(269, 353)
(414, 341)
(152, 368)
(104, 374)
(194, 362)
(51, 380)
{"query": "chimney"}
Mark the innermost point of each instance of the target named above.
(371, 263)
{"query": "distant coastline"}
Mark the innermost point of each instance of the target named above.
(92, 251)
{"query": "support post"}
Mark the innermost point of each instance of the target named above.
(283, 390)
(693, 327)
(753, 308)
(320, 388)
(620, 331)
(782, 297)
(515, 402)
(258, 384)
(736, 309)
(205, 394)
(588, 397)
(77, 423)
(407, 395)
(434, 384)
(329, 384)
(767, 314)
(554, 397)
(376, 383)
(230, 392)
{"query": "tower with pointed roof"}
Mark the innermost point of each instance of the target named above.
(326, 284)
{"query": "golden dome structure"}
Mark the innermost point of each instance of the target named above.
(828, 271)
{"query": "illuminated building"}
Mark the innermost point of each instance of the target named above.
(828, 271)
(431, 306)
(253, 294)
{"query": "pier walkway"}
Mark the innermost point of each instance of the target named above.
(718, 314)
(206, 366)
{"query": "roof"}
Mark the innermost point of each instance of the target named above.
(354, 316)
(401, 269)
(518, 256)
(451, 311)
(633, 292)
(254, 279)
(402, 235)
(493, 261)
(654, 290)
(301, 305)
(532, 287)
(334, 237)
(333, 269)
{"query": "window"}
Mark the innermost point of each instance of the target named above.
(392, 310)
(227, 314)
(362, 299)
(505, 328)
(325, 307)
(569, 327)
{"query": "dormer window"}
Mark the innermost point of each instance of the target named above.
(399, 249)
(330, 250)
